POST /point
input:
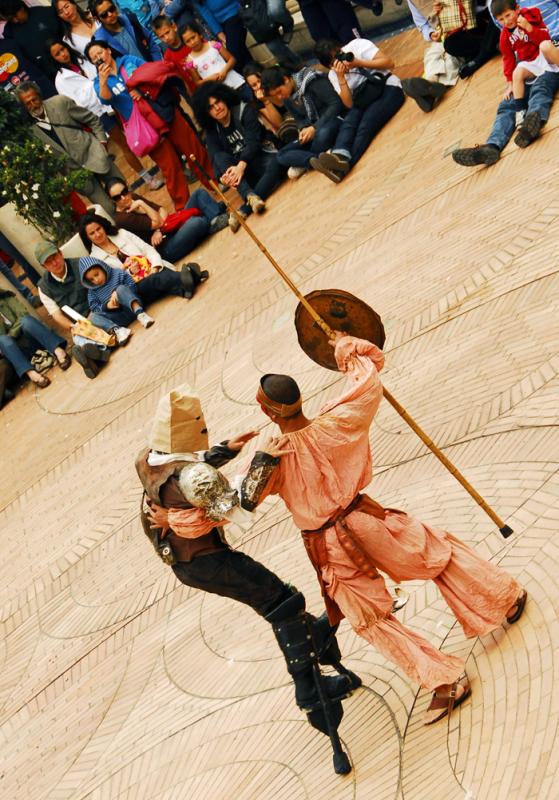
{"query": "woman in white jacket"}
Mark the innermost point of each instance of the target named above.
(74, 79)
(113, 245)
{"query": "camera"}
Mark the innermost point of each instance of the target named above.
(341, 56)
(99, 62)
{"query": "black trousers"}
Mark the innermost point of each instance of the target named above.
(230, 573)
(479, 44)
(236, 34)
(330, 19)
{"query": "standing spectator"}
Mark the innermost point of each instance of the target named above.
(235, 140)
(78, 26)
(176, 52)
(144, 219)
(145, 11)
(60, 123)
(316, 107)
(74, 78)
(223, 19)
(21, 334)
(8, 247)
(330, 19)
(366, 115)
(30, 28)
(17, 284)
(180, 137)
(123, 32)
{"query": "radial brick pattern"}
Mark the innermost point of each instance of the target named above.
(119, 683)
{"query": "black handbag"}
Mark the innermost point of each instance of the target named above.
(370, 89)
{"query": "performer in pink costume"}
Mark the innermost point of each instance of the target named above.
(349, 537)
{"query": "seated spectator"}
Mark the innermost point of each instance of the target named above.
(74, 78)
(115, 246)
(440, 70)
(370, 105)
(476, 45)
(30, 28)
(78, 26)
(144, 219)
(539, 95)
(211, 61)
(526, 49)
(274, 117)
(180, 138)
(316, 107)
(76, 133)
(175, 50)
(61, 286)
(236, 143)
(113, 292)
(22, 334)
(7, 377)
(123, 32)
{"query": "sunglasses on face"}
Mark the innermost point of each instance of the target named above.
(120, 195)
(104, 14)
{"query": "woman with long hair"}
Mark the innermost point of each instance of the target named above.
(78, 25)
(74, 78)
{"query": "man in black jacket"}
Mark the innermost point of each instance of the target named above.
(239, 146)
(31, 28)
(310, 97)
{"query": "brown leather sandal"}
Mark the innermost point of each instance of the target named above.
(520, 606)
(442, 706)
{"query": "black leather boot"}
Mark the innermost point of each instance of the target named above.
(293, 629)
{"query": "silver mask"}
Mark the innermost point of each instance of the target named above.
(205, 487)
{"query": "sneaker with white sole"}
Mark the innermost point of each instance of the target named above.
(293, 173)
(122, 335)
(257, 205)
(145, 320)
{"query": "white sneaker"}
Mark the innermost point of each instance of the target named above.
(145, 319)
(295, 172)
(122, 335)
(519, 117)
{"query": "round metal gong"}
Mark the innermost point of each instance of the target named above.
(342, 311)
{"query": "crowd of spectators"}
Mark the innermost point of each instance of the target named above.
(171, 78)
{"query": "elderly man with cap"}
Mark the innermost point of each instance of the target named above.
(350, 538)
(61, 286)
(192, 541)
(75, 132)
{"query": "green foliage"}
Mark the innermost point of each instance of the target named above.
(36, 179)
(12, 122)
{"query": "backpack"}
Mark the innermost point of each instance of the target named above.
(254, 14)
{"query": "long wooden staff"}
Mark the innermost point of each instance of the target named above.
(504, 529)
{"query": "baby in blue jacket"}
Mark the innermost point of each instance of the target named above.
(112, 292)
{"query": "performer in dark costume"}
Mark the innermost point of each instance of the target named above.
(191, 540)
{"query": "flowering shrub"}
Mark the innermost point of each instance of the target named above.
(36, 179)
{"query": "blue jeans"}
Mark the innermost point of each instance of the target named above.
(540, 97)
(21, 287)
(34, 333)
(12, 251)
(194, 230)
(299, 155)
(262, 175)
(124, 315)
(360, 127)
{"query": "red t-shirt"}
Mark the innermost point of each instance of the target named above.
(180, 57)
(518, 45)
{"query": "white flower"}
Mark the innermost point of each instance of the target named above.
(24, 197)
(35, 196)
(35, 187)
(16, 187)
(56, 214)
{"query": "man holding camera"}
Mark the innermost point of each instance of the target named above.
(360, 74)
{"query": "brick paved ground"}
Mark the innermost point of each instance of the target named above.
(118, 683)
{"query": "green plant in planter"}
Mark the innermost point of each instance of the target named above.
(36, 179)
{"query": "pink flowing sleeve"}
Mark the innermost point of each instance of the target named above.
(361, 361)
(190, 523)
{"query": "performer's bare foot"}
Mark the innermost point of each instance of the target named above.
(445, 698)
(515, 612)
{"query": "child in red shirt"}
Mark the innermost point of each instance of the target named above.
(176, 51)
(526, 47)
